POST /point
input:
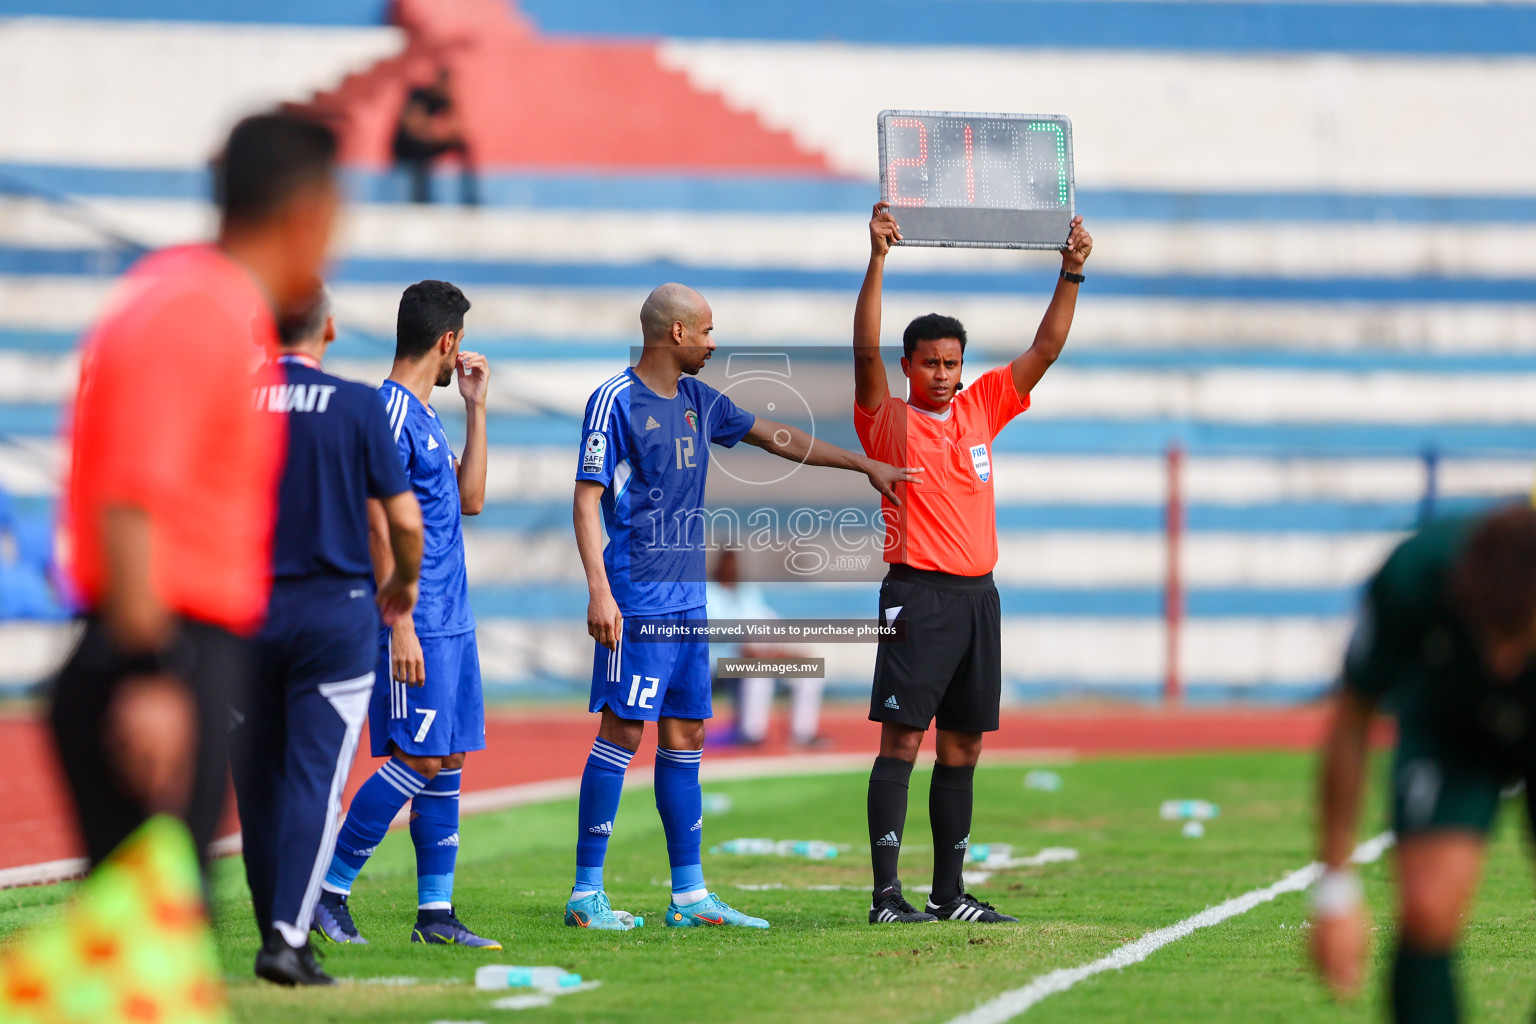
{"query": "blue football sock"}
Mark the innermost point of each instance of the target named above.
(681, 804)
(373, 808)
(602, 781)
(435, 831)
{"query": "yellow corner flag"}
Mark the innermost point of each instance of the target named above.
(132, 947)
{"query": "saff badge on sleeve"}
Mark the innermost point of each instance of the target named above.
(595, 452)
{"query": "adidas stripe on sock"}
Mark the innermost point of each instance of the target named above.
(680, 802)
(602, 782)
(368, 819)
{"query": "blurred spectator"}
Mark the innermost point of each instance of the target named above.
(729, 598)
(429, 128)
(169, 501)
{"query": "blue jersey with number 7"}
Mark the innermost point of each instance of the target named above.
(651, 454)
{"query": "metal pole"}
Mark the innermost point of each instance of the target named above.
(1173, 598)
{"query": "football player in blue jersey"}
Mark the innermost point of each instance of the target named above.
(427, 711)
(644, 456)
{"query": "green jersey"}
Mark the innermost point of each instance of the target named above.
(1461, 730)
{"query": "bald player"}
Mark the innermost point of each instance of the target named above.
(644, 457)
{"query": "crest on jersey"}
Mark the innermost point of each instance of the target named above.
(693, 420)
(594, 452)
(982, 461)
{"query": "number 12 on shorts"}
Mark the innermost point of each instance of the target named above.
(427, 714)
(644, 695)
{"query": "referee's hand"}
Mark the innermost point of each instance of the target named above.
(884, 478)
(605, 623)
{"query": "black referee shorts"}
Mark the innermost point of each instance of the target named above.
(949, 664)
(215, 665)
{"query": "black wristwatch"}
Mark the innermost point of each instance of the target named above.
(1067, 275)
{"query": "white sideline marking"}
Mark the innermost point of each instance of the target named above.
(735, 768)
(534, 1000)
(1010, 1004)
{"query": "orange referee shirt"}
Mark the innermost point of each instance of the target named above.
(948, 520)
(164, 420)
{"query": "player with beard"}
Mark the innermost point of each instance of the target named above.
(941, 545)
(427, 710)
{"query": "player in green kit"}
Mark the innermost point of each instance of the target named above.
(1447, 642)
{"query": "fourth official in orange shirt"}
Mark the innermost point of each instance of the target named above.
(941, 543)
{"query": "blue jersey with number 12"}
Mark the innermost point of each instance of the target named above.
(652, 456)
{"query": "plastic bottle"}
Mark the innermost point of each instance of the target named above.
(629, 919)
(1045, 781)
(811, 849)
(1188, 810)
(499, 976)
(981, 853)
(745, 846)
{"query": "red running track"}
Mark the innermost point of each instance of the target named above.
(537, 746)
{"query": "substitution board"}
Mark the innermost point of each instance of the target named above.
(990, 181)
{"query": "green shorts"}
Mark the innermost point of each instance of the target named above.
(1434, 788)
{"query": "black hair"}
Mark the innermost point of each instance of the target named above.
(428, 310)
(931, 327)
(1494, 580)
(267, 160)
(304, 319)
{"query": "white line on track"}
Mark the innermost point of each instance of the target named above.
(1012, 1003)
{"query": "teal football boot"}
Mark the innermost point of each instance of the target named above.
(711, 910)
(591, 910)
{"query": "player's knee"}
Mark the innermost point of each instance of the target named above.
(680, 734)
(452, 763)
(1430, 916)
(426, 767)
(621, 731)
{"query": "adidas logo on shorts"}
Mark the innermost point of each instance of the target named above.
(605, 829)
(890, 702)
(889, 839)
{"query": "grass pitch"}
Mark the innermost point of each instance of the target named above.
(822, 962)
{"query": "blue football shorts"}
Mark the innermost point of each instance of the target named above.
(644, 680)
(445, 715)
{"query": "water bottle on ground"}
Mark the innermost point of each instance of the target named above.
(982, 853)
(547, 979)
(1188, 810)
(1048, 782)
(746, 846)
(811, 849)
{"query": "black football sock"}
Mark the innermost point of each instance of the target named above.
(1423, 991)
(950, 798)
(888, 783)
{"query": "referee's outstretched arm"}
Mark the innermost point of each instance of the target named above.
(1052, 335)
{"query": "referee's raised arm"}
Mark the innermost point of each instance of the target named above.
(1051, 337)
(869, 384)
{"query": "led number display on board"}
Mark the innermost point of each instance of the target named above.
(1001, 181)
